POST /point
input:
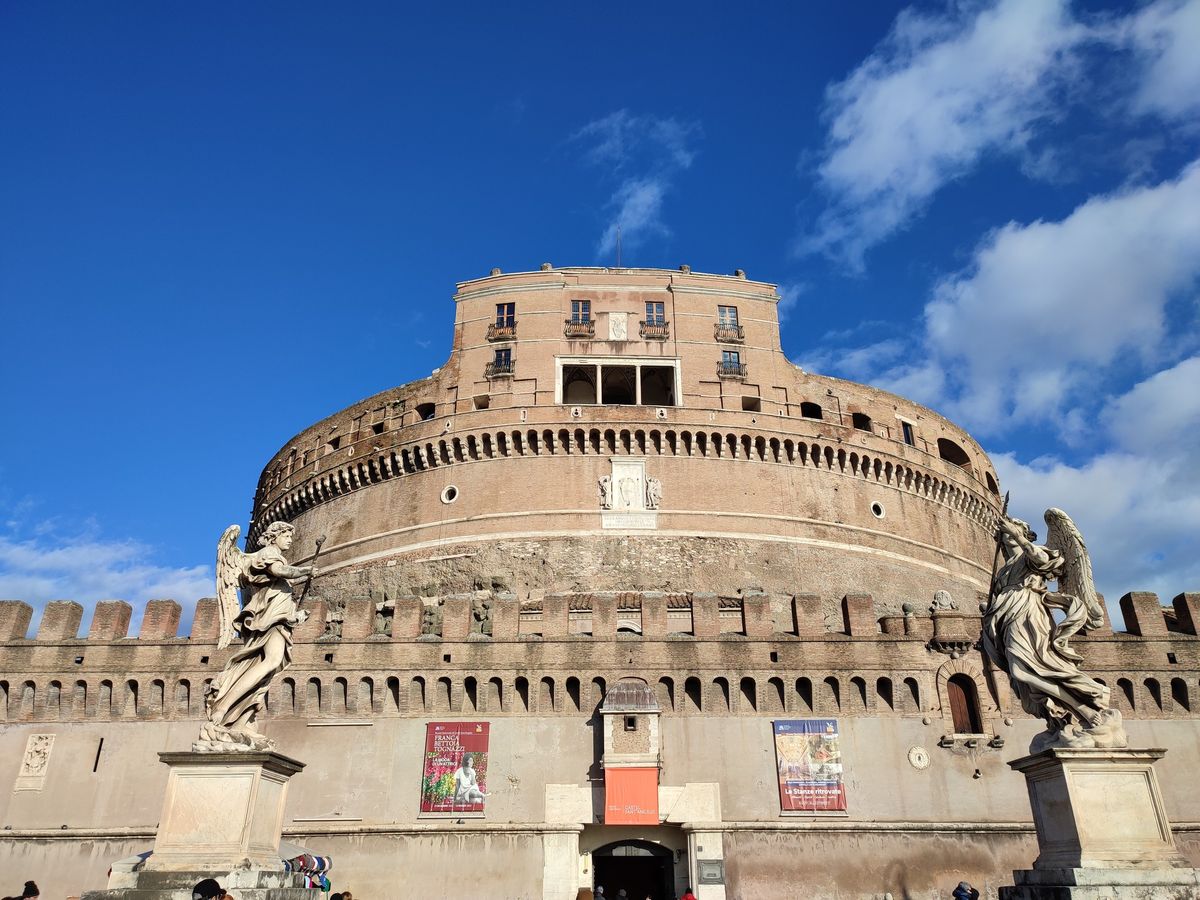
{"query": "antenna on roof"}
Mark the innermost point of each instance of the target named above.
(618, 246)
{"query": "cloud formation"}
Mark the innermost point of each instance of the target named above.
(942, 92)
(936, 95)
(643, 154)
(85, 568)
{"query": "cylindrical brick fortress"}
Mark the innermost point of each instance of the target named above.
(770, 477)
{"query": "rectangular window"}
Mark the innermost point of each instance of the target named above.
(909, 437)
(506, 315)
(655, 314)
(503, 357)
(581, 310)
(727, 315)
(731, 357)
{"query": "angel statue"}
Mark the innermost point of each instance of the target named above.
(264, 623)
(1022, 637)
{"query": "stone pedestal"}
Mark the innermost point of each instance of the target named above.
(222, 810)
(1101, 828)
(222, 818)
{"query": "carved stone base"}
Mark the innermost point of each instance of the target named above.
(1101, 828)
(222, 811)
(1104, 884)
(244, 884)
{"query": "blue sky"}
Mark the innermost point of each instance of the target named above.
(220, 223)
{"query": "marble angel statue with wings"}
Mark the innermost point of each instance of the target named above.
(263, 619)
(1023, 637)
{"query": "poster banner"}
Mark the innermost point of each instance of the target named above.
(809, 758)
(454, 781)
(631, 796)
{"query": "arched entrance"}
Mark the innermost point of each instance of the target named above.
(642, 868)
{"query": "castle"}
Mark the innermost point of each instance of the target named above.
(700, 618)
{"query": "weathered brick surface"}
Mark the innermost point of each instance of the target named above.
(1187, 612)
(110, 620)
(1143, 614)
(60, 620)
(160, 621)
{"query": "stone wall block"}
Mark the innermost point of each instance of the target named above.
(456, 617)
(60, 621)
(206, 623)
(858, 615)
(506, 617)
(110, 621)
(14, 620)
(406, 620)
(1106, 629)
(358, 620)
(555, 613)
(654, 614)
(810, 621)
(758, 620)
(706, 617)
(314, 626)
(1187, 612)
(604, 615)
(918, 626)
(892, 625)
(1143, 614)
(160, 621)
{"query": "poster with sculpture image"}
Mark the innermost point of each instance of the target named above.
(454, 780)
(808, 756)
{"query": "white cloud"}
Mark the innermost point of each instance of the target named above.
(789, 295)
(1138, 502)
(87, 569)
(928, 103)
(1165, 39)
(638, 204)
(1045, 309)
(644, 154)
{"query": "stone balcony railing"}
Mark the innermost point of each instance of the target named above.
(655, 331)
(575, 329)
(499, 369)
(499, 332)
(727, 369)
(730, 334)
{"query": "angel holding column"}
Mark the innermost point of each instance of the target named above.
(264, 623)
(1022, 637)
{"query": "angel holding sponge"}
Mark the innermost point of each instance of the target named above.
(264, 622)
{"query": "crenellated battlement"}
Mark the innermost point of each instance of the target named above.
(598, 615)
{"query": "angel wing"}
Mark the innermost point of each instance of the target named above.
(229, 576)
(1076, 579)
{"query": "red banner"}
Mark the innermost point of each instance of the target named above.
(454, 781)
(631, 796)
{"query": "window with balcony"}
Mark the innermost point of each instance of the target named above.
(655, 327)
(731, 365)
(727, 327)
(505, 326)
(501, 364)
(580, 325)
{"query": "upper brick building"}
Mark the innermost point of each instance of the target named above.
(619, 533)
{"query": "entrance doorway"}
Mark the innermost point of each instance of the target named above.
(642, 868)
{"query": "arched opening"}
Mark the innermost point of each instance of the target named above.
(573, 692)
(639, 868)
(861, 421)
(952, 453)
(991, 483)
(883, 690)
(425, 411)
(691, 689)
(1179, 693)
(811, 410)
(579, 385)
(964, 704)
(1125, 686)
(749, 699)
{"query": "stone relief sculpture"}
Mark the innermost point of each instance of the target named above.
(1022, 638)
(37, 755)
(431, 619)
(653, 492)
(604, 482)
(942, 602)
(264, 623)
(481, 615)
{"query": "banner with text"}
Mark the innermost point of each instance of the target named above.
(809, 758)
(454, 781)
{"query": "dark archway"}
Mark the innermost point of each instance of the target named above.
(642, 868)
(964, 705)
